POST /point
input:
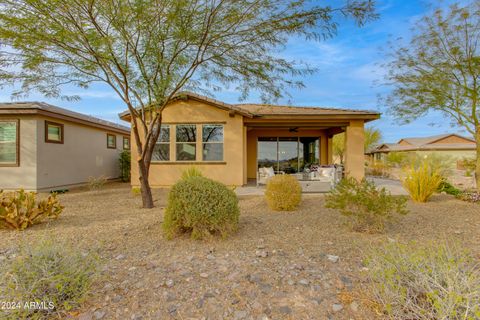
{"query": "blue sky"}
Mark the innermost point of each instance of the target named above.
(348, 69)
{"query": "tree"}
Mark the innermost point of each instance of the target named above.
(438, 70)
(372, 137)
(338, 147)
(147, 51)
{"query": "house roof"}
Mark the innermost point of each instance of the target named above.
(428, 140)
(42, 108)
(426, 143)
(252, 110)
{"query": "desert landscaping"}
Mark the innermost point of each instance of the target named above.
(303, 264)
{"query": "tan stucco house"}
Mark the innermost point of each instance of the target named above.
(44, 148)
(231, 143)
(451, 145)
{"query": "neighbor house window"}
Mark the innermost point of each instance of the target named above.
(126, 143)
(111, 141)
(53, 132)
(9, 142)
(212, 136)
(161, 151)
(186, 138)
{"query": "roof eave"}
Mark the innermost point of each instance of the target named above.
(37, 111)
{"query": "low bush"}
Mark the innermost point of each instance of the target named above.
(377, 169)
(96, 183)
(20, 209)
(421, 182)
(54, 276)
(201, 207)
(448, 188)
(368, 207)
(424, 282)
(397, 159)
(283, 192)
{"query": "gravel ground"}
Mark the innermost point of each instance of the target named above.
(297, 265)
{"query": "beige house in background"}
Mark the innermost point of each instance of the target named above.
(451, 145)
(230, 143)
(44, 148)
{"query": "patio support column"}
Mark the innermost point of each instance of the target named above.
(329, 149)
(323, 150)
(354, 153)
(245, 156)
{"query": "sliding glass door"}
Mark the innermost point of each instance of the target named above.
(288, 154)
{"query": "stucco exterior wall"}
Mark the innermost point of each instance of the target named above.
(83, 154)
(229, 171)
(25, 175)
(253, 134)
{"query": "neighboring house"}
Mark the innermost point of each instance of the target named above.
(451, 145)
(43, 147)
(231, 142)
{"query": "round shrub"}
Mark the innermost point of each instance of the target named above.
(201, 207)
(283, 193)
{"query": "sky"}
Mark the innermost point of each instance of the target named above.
(348, 74)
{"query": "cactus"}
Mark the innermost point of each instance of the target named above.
(20, 210)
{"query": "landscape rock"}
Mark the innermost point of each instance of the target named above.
(332, 258)
(99, 314)
(354, 306)
(285, 310)
(240, 314)
(261, 253)
(336, 307)
(169, 283)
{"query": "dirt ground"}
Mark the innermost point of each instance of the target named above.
(278, 266)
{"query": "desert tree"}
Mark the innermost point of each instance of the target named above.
(373, 137)
(147, 51)
(438, 70)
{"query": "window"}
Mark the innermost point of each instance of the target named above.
(111, 141)
(53, 132)
(126, 143)
(212, 136)
(186, 142)
(288, 154)
(9, 142)
(161, 151)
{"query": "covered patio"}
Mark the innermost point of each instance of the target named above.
(301, 144)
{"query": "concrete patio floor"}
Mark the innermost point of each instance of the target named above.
(393, 186)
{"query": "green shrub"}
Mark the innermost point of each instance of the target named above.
(424, 282)
(96, 183)
(201, 207)
(191, 172)
(136, 191)
(397, 159)
(283, 192)
(448, 188)
(125, 164)
(368, 207)
(54, 273)
(377, 169)
(422, 182)
(20, 210)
